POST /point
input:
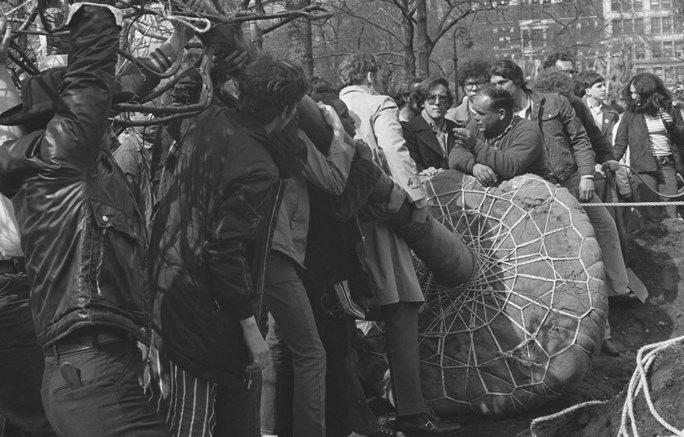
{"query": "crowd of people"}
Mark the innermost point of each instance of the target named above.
(203, 277)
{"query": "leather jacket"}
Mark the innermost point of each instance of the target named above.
(81, 230)
(210, 236)
(568, 149)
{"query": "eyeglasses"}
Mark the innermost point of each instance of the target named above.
(472, 85)
(432, 99)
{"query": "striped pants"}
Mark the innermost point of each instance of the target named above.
(187, 403)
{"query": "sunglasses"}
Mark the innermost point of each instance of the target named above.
(432, 99)
(472, 85)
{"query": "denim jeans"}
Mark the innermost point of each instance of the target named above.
(287, 301)
(21, 361)
(97, 392)
(664, 182)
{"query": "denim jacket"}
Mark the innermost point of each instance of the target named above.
(568, 149)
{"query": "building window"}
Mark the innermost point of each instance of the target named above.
(627, 27)
(668, 48)
(667, 24)
(637, 5)
(655, 25)
(669, 75)
(657, 49)
(642, 70)
(640, 52)
(537, 37)
(639, 26)
(655, 4)
(680, 74)
(617, 27)
(661, 4)
(679, 49)
(658, 71)
(616, 5)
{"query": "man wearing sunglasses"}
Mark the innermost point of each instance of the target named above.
(429, 135)
(472, 76)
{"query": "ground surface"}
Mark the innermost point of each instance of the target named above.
(657, 257)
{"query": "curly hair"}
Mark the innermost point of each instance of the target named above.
(354, 68)
(474, 70)
(423, 91)
(554, 81)
(267, 86)
(652, 94)
(499, 98)
(508, 69)
(555, 57)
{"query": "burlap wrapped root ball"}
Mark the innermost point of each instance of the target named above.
(528, 323)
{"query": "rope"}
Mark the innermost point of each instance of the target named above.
(15, 9)
(639, 383)
(633, 204)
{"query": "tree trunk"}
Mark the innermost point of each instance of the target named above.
(423, 38)
(299, 31)
(408, 31)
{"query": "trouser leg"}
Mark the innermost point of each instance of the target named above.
(236, 410)
(270, 383)
(346, 407)
(21, 361)
(287, 301)
(191, 412)
(668, 185)
(609, 241)
(97, 392)
(645, 188)
(401, 322)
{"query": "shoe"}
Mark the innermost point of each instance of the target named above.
(609, 348)
(425, 425)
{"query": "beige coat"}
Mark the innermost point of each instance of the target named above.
(387, 254)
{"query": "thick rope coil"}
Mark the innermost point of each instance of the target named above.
(645, 358)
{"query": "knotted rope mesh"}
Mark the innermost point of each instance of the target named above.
(528, 322)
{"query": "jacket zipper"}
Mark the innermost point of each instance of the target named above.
(266, 248)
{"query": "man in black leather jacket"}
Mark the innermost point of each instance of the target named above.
(83, 240)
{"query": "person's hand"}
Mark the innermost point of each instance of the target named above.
(465, 137)
(363, 150)
(667, 118)
(586, 189)
(611, 165)
(332, 119)
(234, 62)
(484, 175)
(430, 172)
(598, 168)
(6, 33)
(256, 345)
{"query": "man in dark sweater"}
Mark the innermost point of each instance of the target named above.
(497, 145)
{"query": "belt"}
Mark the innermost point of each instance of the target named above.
(88, 338)
(13, 265)
(662, 160)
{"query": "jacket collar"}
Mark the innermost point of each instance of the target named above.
(426, 134)
(358, 89)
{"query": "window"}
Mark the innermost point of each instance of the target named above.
(655, 4)
(617, 27)
(657, 50)
(667, 24)
(639, 26)
(679, 49)
(616, 5)
(640, 52)
(642, 70)
(668, 48)
(637, 6)
(655, 25)
(665, 4)
(680, 74)
(537, 37)
(627, 27)
(658, 71)
(526, 38)
(669, 75)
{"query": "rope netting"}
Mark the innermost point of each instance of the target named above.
(529, 321)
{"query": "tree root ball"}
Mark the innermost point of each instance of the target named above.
(527, 324)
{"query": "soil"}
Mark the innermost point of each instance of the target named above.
(656, 255)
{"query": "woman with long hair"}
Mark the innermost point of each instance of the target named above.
(652, 129)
